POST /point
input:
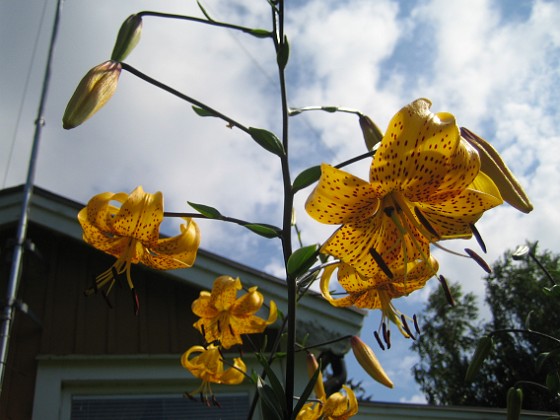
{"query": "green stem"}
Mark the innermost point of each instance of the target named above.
(522, 331)
(204, 21)
(335, 340)
(184, 97)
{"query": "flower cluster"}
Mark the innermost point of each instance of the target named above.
(427, 183)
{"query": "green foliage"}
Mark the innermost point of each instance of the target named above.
(516, 300)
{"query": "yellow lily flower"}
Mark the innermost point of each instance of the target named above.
(224, 317)
(425, 185)
(336, 407)
(131, 234)
(378, 292)
(208, 366)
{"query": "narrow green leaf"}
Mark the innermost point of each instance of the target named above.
(306, 392)
(306, 178)
(329, 108)
(209, 212)
(203, 10)
(268, 398)
(302, 259)
(267, 140)
(283, 53)
(268, 231)
(275, 383)
(543, 357)
(482, 350)
(260, 33)
(201, 112)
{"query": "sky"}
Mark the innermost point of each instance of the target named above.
(493, 64)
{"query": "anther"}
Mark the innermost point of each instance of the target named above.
(384, 267)
(219, 328)
(106, 297)
(416, 327)
(135, 302)
(389, 211)
(446, 290)
(384, 330)
(406, 328)
(189, 396)
(478, 238)
(388, 341)
(376, 335)
(231, 329)
(422, 219)
(203, 330)
(478, 260)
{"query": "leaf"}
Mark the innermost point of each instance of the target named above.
(202, 112)
(283, 53)
(553, 382)
(209, 212)
(543, 357)
(306, 178)
(267, 140)
(268, 398)
(482, 351)
(275, 383)
(302, 259)
(268, 231)
(203, 10)
(553, 291)
(260, 33)
(329, 108)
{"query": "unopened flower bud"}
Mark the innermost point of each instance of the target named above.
(371, 132)
(93, 91)
(514, 403)
(482, 351)
(128, 37)
(492, 165)
(367, 359)
(312, 366)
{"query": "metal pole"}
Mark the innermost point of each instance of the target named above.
(17, 260)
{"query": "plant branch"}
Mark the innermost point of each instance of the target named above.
(523, 331)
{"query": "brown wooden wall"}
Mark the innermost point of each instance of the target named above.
(53, 285)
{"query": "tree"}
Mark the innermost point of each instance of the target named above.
(514, 294)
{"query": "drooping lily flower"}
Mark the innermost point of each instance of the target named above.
(224, 317)
(425, 185)
(335, 407)
(131, 234)
(208, 366)
(378, 292)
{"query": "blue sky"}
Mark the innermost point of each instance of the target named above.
(493, 64)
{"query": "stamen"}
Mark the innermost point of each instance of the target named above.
(215, 402)
(219, 328)
(189, 396)
(416, 327)
(406, 328)
(384, 330)
(106, 297)
(135, 302)
(388, 339)
(203, 331)
(478, 260)
(422, 219)
(376, 335)
(478, 238)
(446, 290)
(231, 329)
(379, 260)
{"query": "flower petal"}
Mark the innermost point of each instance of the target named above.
(140, 216)
(340, 198)
(248, 304)
(224, 292)
(235, 374)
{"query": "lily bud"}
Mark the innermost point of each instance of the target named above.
(93, 91)
(312, 366)
(128, 37)
(482, 351)
(371, 132)
(514, 403)
(367, 359)
(492, 165)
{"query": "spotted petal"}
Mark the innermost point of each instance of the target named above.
(340, 197)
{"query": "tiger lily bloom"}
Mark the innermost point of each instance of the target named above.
(131, 234)
(224, 317)
(378, 292)
(425, 185)
(336, 407)
(208, 366)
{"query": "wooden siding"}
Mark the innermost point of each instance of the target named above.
(53, 282)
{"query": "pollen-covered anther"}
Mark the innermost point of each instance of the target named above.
(426, 224)
(479, 260)
(380, 262)
(376, 335)
(406, 328)
(478, 238)
(446, 290)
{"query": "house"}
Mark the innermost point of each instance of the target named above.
(72, 355)
(75, 357)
